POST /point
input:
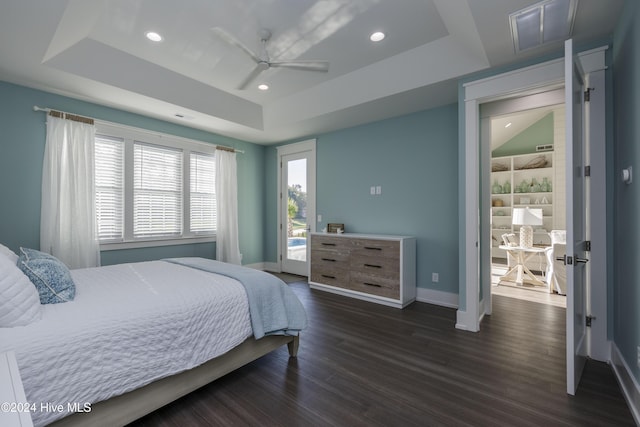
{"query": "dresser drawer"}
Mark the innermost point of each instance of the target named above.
(376, 248)
(334, 277)
(374, 284)
(330, 243)
(375, 265)
(329, 256)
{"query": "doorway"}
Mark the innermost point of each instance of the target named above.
(525, 140)
(296, 205)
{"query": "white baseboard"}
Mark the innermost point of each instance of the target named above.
(273, 267)
(431, 296)
(464, 322)
(255, 266)
(628, 383)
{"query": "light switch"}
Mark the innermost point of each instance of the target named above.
(373, 191)
(379, 189)
(319, 218)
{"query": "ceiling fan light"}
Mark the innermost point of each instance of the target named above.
(153, 36)
(377, 36)
(263, 86)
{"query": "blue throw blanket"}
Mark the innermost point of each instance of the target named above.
(274, 308)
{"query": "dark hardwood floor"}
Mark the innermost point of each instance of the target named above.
(363, 364)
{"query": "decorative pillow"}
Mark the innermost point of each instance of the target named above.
(8, 253)
(19, 301)
(50, 276)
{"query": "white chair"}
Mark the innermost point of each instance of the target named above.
(556, 270)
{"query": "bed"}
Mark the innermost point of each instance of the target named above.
(138, 336)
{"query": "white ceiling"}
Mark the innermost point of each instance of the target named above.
(95, 50)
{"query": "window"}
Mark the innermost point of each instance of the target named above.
(153, 189)
(203, 186)
(109, 159)
(157, 191)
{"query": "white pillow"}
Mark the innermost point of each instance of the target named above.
(9, 253)
(19, 300)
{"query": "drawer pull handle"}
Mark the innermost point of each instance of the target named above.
(371, 248)
(373, 266)
(328, 244)
(372, 284)
(329, 259)
(328, 277)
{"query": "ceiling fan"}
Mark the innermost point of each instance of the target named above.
(262, 61)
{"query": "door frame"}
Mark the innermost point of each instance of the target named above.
(519, 82)
(307, 146)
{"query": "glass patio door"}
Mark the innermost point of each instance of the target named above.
(296, 205)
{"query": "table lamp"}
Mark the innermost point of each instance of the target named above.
(525, 218)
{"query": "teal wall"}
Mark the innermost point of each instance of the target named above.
(413, 158)
(22, 149)
(540, 132)
(626, 293)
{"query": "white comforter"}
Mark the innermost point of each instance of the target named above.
(129, 325)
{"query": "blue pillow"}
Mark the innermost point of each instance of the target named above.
(50, 276)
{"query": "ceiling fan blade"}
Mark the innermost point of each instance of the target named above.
(251, 77)
(322, 66)
(231, 40)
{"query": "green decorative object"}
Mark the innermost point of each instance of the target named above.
(497, 188)
(535, 186)
(506, 188)
(524, 187)
(545, 186)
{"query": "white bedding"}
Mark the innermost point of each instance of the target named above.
(168, 319)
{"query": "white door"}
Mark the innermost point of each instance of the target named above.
(297, 212)
(576, 228)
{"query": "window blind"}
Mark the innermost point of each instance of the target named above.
(203, 186)
(157, 190)
(109, 176)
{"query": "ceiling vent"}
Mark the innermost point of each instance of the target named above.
(545, 22)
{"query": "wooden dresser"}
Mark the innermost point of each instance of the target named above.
(377, 268)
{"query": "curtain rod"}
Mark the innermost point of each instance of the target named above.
(65, 115)
(49, 110)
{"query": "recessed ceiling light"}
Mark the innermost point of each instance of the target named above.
(507, 125)
(263, 87)
(153, 36)
(377, 36)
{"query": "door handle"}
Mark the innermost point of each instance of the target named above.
(567, 260)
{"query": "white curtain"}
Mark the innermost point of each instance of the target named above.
(227, 242)
(68, 217)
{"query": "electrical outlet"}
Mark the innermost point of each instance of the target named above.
(435, 277)
(373, 190)
(379, 189)
(319, 217)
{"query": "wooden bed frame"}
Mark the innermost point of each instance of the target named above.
(128, 407)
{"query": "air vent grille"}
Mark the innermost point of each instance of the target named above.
(544, 147)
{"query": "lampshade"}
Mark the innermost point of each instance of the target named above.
(526, 216)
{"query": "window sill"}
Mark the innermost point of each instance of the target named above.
(158, 242)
